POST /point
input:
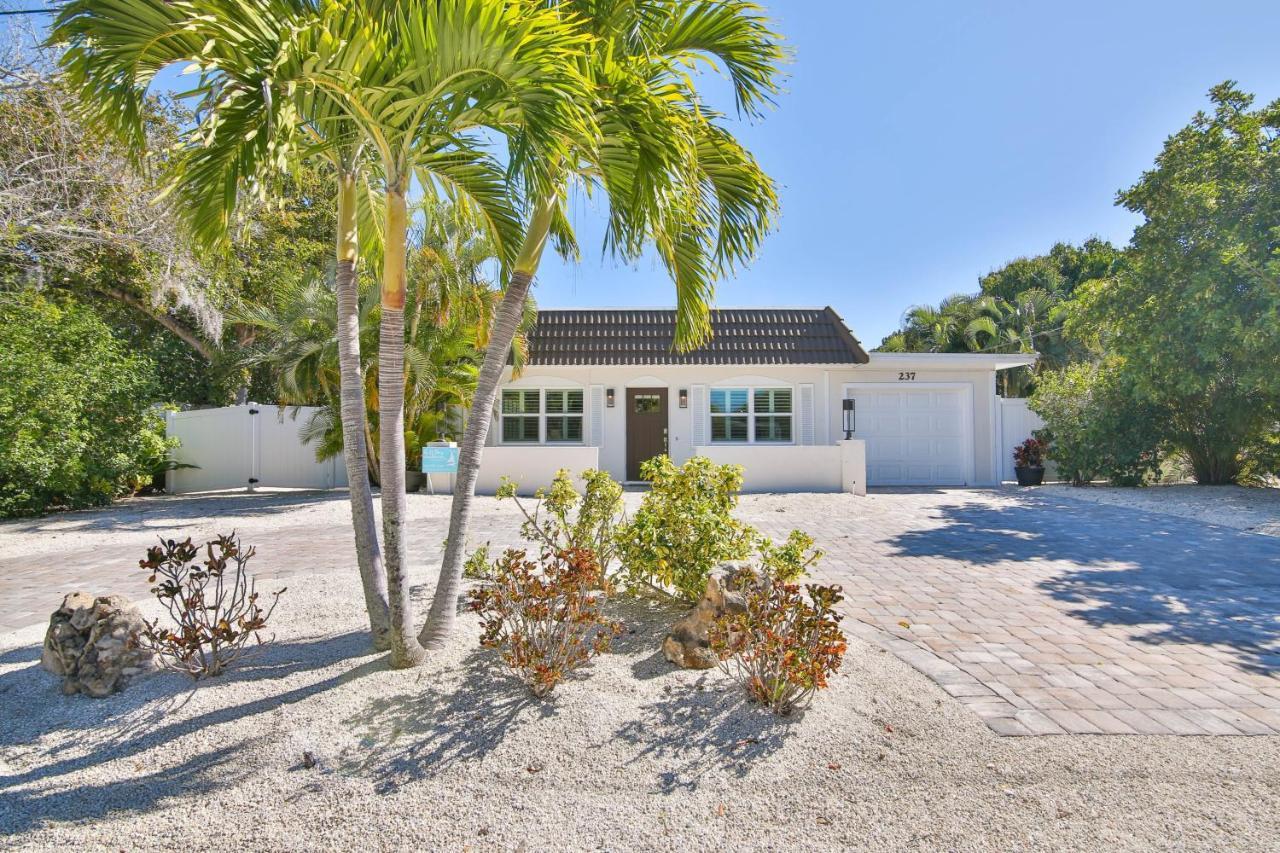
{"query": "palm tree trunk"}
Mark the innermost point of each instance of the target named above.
(444, 605)
(351, 395)
(405, 651)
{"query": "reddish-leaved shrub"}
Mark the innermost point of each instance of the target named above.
(214, 606)
(544, 617)
(786, 644)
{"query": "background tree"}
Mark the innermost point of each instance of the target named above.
(1194, 312)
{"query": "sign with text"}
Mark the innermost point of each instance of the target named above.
(439, 460)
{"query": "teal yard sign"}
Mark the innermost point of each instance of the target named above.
(439, 460)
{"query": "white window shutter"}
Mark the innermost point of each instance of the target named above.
(595, 433)
(699, 412)
(805, 415)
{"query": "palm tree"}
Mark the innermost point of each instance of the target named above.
(252, 118)
(419, 80)
(674, 179)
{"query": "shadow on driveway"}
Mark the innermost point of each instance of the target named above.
(1172, 580)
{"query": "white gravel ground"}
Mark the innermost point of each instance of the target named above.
(632, 755)
(1254, 509)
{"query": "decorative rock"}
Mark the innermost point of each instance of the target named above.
(687, 645)
(93, 644)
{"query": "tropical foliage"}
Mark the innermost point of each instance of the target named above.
(1098, 427)
(1192, 317)
(1018, 308)
(450, 308)
(672, 176)
(75, 409)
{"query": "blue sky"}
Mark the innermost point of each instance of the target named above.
(921, 144)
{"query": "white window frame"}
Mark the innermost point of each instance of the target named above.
(542, 415)
(750, 415)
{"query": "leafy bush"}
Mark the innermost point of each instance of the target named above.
(786, 644)
(544, 617)
(215, 611)
(684, 527)
(563, 520)
(1097, 426)
(74, 410)
(790, 560)
(1030, 454)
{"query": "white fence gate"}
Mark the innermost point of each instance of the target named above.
(243, 447)
(1017, 422)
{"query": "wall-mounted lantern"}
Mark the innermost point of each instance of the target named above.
(608, 397)
(684, 398)
(850, 418)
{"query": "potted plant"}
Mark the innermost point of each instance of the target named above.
(1028, 462)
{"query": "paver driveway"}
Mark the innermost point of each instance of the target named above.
(1041, 613)
(1049, 615)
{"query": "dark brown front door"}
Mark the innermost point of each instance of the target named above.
(646, 427)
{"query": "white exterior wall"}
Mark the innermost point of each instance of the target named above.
(979, 383)
(531, 466)
(1017, 423)
(769, 467)
(782, 469)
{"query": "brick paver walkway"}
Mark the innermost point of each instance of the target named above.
(1050, 615)
(1042, 614)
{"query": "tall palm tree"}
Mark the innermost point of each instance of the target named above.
(252, 118)
(674, 179)
(420, 80)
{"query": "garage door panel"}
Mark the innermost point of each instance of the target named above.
(915, 437)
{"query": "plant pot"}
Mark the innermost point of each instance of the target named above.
(413, 480)
(1029, 476)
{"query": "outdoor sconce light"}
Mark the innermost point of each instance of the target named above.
(608, 397)
(684, 398)
(850, 418)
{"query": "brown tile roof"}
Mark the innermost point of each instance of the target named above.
(609, 336)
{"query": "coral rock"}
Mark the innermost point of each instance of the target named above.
(92, 643)
(687, 644)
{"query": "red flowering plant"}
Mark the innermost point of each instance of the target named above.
(544, 616)
(1030, 454)
(785, 646)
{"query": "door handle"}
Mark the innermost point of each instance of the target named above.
(665, 447)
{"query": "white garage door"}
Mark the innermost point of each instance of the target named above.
(914, 436)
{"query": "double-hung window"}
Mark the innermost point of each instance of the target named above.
(541, 416)
(751, 415)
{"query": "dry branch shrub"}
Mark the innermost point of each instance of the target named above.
(213, 606)
(785, 646)
(544, 617)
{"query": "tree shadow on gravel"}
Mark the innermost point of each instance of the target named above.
(30, 807)
(421, 734)
(709, 726)
(142, 717)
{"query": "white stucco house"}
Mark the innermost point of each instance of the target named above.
(604, 389)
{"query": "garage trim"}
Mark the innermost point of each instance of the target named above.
(966, 409)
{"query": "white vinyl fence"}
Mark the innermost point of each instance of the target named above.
(1017, 422)
(246, 447)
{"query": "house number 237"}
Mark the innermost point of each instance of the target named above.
(906, 376)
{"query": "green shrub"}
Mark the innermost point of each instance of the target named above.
(786, 644)
(1096, 426)
(791, 560)
(544, 617)
(684, 527)
(563, 520)
(74, 410)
